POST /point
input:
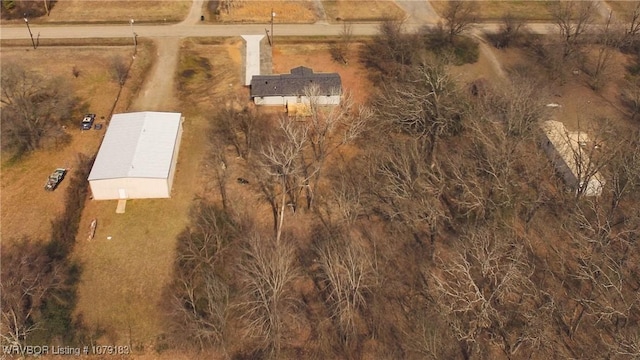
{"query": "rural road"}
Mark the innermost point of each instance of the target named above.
(189, 29)
(157, 91)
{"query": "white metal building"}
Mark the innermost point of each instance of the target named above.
(569, 153)
(289, 89)
(138, 156)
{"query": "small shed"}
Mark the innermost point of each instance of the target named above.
(138, 156)
(286, 89)
(568, 151)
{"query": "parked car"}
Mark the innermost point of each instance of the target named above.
(87, 121)
(55, 179)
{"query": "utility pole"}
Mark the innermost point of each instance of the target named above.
(26, 21)
(135, 38)
(273, 14)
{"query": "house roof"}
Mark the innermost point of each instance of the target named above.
(295, 83)
(137, 145)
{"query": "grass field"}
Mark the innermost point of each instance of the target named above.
(26, 209)
(495, 10)
(91, 11)
(349, 10)
(260, 12)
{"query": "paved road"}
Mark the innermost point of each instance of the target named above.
(185, 30)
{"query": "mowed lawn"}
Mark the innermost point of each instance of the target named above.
(121, 289)
(26, 208)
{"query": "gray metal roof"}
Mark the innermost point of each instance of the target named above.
(137, 145)
(294, 84)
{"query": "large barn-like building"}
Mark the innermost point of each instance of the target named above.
(289, 89)
(138, 156)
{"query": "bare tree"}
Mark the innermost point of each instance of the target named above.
(33, 108)
(633, 25)
(327, 129)
(279, 165)
(510, 30)
(119, 69)
(391, 52)
(199, 295)
(409, 189)
(458, 16)
(426, 106)
(340, 49)
(485, 288)
(241, 126)
(609, 41)
(270, 307)
(573, 19)
(28, 277)
(348, 275)
(631, 97)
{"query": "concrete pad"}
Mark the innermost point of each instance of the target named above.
(122, 204)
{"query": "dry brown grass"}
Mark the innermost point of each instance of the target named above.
(622, 8)
(350, 10)
(495, 10)
(93, 11)
(26, 209)
(260, 12)
(317, 57)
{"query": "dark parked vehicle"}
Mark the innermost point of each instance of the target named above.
(55, 179)
(87, 121)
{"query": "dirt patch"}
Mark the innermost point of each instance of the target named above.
(26, 208)
(318, 58)
(349, 10)
(581, 106)
(157, 93)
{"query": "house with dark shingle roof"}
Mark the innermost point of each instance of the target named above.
(289, 89)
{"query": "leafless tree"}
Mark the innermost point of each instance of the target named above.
(391, 52)
(28, 277)
(269, 306)
(241, 126)
(119, 69)
(609, 40)
(485, 288)
(631, 97)
(328, 128)
(279, 167)
(199, 295)
(340, 49)
(633, 26)
(409, 189)
(573, 19)
(33, 108)
(426, 106)
(348, 275)
(510, 31)
(592, 152)
(458, 16)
